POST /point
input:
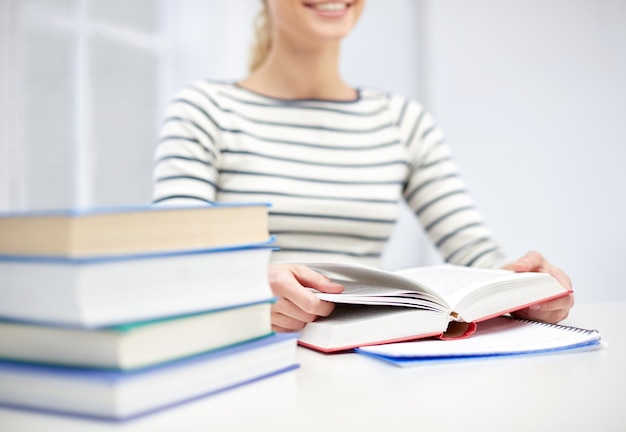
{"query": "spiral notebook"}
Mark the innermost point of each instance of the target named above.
(498, 337)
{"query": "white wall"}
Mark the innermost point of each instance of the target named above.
(532, 97)
(81, 101)
(529, 92)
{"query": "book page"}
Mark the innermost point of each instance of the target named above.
(447, 280)
(363, 293)
(367, 285)
(370, 276)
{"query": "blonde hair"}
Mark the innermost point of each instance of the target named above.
(262, 41)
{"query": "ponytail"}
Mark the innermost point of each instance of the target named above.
(262, 41)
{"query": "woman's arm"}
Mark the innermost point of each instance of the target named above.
(187, 156)
(439, 197)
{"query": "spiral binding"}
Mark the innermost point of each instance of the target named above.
(552, 325)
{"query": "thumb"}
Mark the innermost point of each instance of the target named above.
(531, 261)
(312, 279)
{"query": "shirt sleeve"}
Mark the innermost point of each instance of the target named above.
(439, 197)
(187, 156)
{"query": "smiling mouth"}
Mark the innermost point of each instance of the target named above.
(331, 6)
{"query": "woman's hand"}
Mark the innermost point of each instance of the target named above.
(551, 311)
(296, 305)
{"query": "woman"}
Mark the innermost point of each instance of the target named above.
(334, 161)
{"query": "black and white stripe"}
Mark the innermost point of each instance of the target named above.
(333, 171)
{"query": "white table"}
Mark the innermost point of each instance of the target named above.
(345, 392)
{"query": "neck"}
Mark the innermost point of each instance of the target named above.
(301, 74)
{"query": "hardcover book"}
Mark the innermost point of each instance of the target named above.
(98, 292)
(122, 395)
(101, 232)
(379, 306)
(133, 346)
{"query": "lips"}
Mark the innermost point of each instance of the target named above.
(329, 7)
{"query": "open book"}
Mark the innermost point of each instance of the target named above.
(379, 306)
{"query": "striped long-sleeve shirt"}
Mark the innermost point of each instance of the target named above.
(333, 171)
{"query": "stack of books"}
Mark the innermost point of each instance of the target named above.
(117, 313)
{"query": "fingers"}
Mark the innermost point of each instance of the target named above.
(288, 317)
(280, 329)
(551, 311)
(531, 261)
(286, 286)
(282, 322)
(560, 276)
(287, 313)
(296, 305)
(301, 307)
(312, 279)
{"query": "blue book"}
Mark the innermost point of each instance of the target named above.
(105, 291)
(136, 345)
(115, 395)
(498, 337)
(130, 230)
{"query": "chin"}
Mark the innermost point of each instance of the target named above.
(328, 34)
(333, 19)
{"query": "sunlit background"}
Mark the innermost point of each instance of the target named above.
(530, 93)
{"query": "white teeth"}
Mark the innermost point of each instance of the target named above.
(333, 6)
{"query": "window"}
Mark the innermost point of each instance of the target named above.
(86, 84)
